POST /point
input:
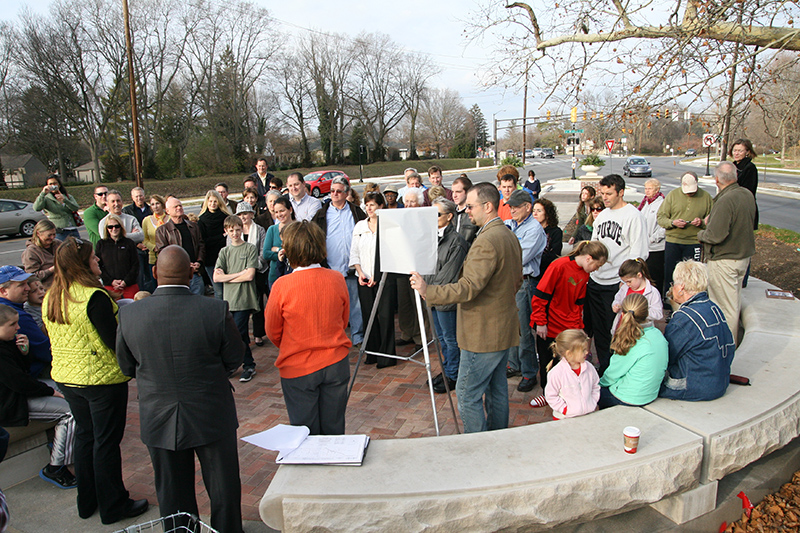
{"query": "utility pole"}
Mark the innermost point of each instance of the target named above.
(525, 115)
(137, 151)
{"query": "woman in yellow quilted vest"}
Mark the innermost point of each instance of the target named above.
(81, 319)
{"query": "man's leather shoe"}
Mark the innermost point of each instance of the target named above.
(437, 379)
(132, 508)
(526, 384)
(511, 372)
(403, 342)
(438, 388)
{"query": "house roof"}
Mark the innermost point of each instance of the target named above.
(87, 166)
(16, 161)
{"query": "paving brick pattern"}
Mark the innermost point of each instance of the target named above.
(386, 403)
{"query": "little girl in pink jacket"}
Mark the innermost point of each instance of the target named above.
(573, 386)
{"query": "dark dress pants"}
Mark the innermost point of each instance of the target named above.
(99, 412)
(381, 337)
(219, 464)
(545, 356)
(258, 316)
(319, 400)
(601, 317)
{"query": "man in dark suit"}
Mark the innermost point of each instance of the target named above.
(181, 349)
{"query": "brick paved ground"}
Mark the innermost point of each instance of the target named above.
(388, 403)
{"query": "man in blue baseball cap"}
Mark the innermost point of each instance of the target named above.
(14, 293)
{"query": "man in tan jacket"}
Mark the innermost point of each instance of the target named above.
(487, 324)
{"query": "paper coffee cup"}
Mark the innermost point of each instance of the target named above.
(631, 439)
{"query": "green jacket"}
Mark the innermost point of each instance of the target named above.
(680, 206)
(80, 357)
(58, 213)
(91, 218)
(636, 376)
(729, 234)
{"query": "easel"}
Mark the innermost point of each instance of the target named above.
(426, 355)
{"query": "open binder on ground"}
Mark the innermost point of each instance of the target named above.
(295, 446)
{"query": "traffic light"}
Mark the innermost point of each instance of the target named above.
(658, 114)
(573, 115)
(548, 114)
(585, 116)
(594, 115)
(666, 113)
(623, 130)
(601, 115)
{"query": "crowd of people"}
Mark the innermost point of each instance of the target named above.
(79, 321)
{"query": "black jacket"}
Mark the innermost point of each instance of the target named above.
(450, 255)
(320, 217)
(747, 177)
(17, 385)
(118, 260)
(466, 228)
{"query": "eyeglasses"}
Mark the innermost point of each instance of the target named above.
(443, 214)
(113, 226)
(78, 242)
(334, 191)
(101, 193)
(596, 209)
(471, 207)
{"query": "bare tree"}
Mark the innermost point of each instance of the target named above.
(76, 53)
(416, 70)
(697, 47)
(443, 115)
(293, 90)
(328, 58)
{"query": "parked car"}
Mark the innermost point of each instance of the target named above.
(691, 152)
(529, 154)
(637, 166)
(320, 181)
(537, 152)
(548, 153)
(18, 217)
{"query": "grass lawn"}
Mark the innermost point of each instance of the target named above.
(192, 187)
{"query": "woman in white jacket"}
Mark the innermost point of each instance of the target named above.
(656, 235)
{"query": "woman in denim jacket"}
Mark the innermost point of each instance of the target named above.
(701, 347)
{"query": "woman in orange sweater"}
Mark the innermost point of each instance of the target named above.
(308, 327)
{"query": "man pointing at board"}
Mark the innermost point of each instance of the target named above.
(487, 326)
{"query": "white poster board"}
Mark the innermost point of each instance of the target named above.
(408, 239)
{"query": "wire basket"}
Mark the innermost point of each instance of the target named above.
(174, 523)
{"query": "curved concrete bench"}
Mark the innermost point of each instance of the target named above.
(574, 470)
(546, 473)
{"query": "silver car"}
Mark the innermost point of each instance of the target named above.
(18, 217)
(637, 166)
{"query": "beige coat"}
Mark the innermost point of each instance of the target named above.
(485, 291)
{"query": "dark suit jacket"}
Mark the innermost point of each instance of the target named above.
(180, 348)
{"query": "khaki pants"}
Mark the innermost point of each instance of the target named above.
(725, 286)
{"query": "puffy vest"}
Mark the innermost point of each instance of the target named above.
(80, 357)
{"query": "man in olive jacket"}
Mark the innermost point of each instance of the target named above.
(487, 324)
(729, 242)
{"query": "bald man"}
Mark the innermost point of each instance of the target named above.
(186, 234)
(186, 406)
(729, 242)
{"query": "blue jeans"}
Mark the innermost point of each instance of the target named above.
(356, 320)
(445, 324)
(146, 280)
(217, 286)
(242, 320)
(524, 358)
(607, 399)
(673, 254)
(64, 233)
(482, 383)
(196, 286)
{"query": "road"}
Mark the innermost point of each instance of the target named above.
(774, 210)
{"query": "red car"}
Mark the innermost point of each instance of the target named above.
(320, 181)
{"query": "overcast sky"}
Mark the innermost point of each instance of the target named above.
(431, 27)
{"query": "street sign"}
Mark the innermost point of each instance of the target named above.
(573, 131)
(610, 144)
(709, 139)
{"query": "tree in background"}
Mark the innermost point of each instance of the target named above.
(478, 126)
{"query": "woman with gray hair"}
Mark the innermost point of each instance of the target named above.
(701, 346)
(649, 206)
(451, 252)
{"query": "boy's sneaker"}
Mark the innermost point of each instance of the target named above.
(247, 374)
(60, 476)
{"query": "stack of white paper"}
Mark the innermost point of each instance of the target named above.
(296, 447)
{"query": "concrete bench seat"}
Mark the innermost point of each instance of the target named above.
(27, 452)
(543, 474)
